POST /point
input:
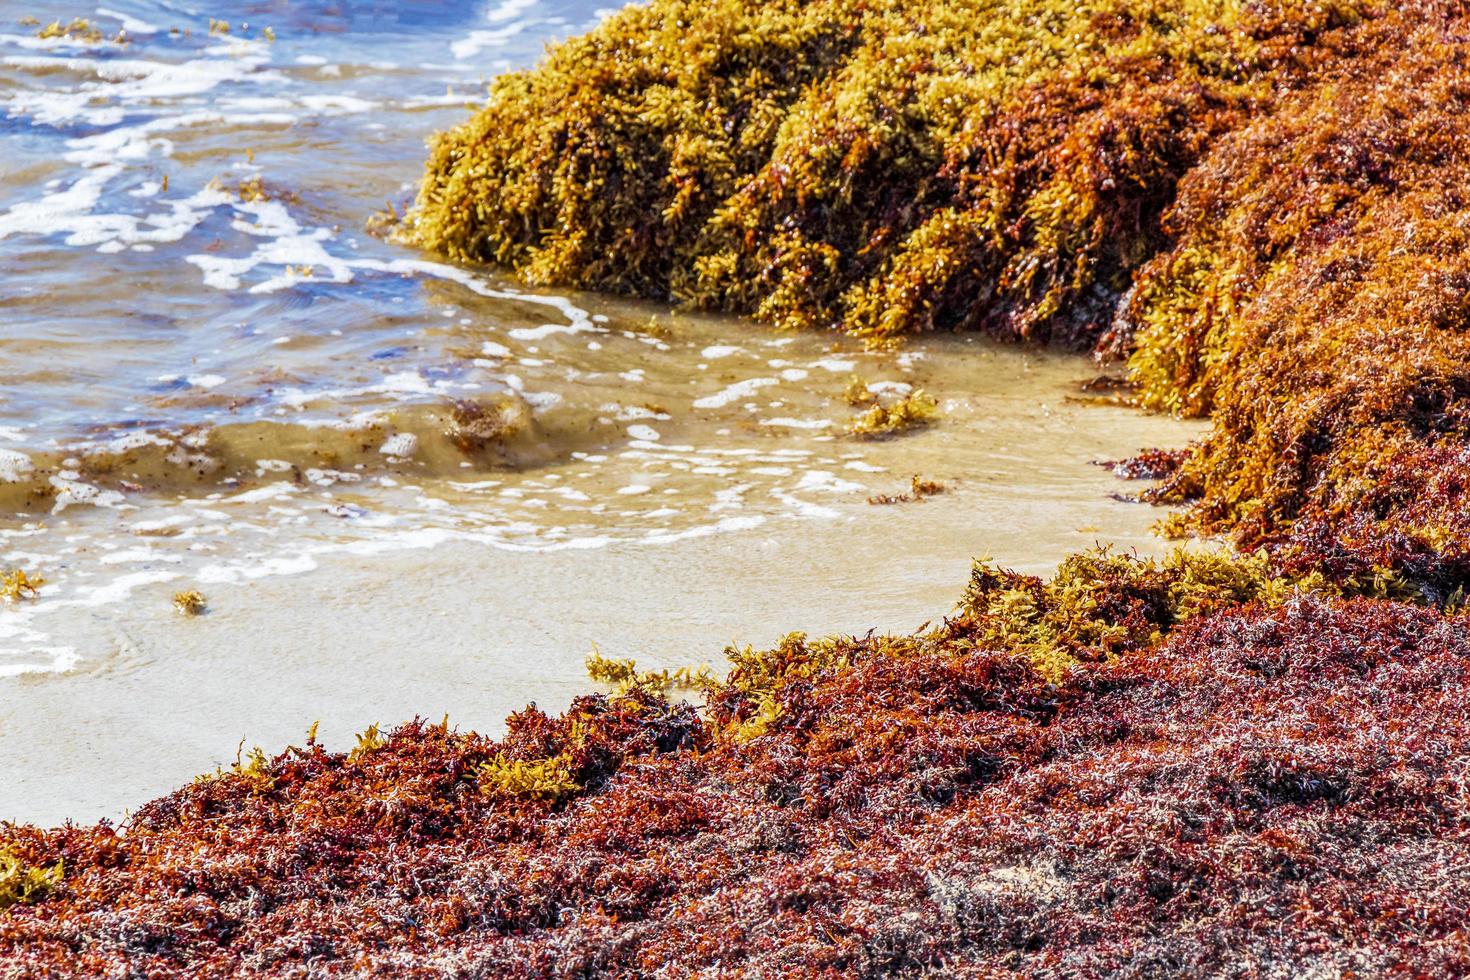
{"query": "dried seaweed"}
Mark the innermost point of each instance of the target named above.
(1314, 303)
(1219, 763)
(850, 806)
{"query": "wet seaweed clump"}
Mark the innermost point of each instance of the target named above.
(17, 584)
(78, 29)
(857, 392)
(475, 426)
(1151, 464)
(919, 488)
(256, 188)
(916, 410)
(190, 602)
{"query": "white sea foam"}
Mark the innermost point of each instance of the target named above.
(14, 466)
(733, 393)
(837, 365)
(144, 117)
(790, 423)
(130, 24)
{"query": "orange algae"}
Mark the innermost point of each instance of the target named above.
(1314, 303)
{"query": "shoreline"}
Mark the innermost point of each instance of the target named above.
(363, 639)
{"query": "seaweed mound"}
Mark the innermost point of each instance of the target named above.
(879, 166)
(1316, 302)
(1264, 791)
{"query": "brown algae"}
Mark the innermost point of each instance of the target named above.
(915, 410)
(918, 490)
(832, 164)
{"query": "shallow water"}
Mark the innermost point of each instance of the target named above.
(409, 487)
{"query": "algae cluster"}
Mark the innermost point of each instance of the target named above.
(17, 584)
(190, 602)
(21, 883)
(913, 411)
(919, 488)
(1315, 302)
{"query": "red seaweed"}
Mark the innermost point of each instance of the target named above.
(1267, 791)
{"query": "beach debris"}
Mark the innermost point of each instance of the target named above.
(476, 425)
(256, 188)
(252, 189)
(918, 490)
(623, 675)
(79, 29)
(384, 222)
(655, 326)
(1151, 464)
(857, 393)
